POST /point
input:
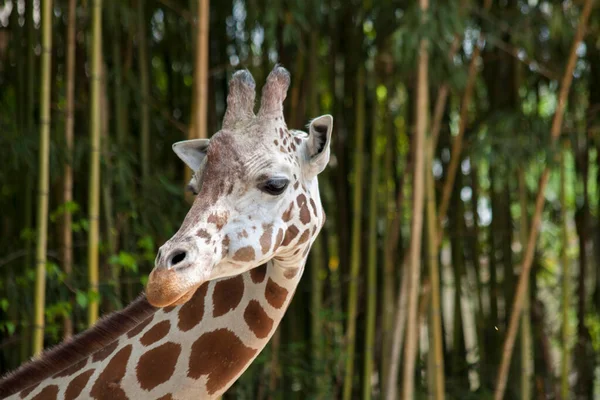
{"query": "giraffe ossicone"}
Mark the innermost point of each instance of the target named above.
(222, 283)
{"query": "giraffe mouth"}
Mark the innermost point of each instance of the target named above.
(165, 288)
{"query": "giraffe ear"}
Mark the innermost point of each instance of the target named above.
(318, 143)
(191, 152)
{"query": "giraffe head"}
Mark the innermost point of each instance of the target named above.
(257, 196)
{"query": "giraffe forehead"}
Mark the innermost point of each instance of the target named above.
(247, 154)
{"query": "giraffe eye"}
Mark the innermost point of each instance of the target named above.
(274, 186)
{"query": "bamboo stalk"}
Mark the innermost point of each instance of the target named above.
(564, 376)
(526, 347)
(387, 313)
(438, 389)
(371, 288)
(44, 178)
(95, 149)
(355, 256)
(201, 85)
(67, 239)
(144, 91)
(517, 307)
(412, 325)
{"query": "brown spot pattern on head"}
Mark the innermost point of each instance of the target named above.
(203, 233)
(218, 220)
(227, 295)
(287, 215)
(105, 352)
(156, 333)
(265, 238)
(225, 246)
(156, 366)
(258, 274)
(257, 319)
(221, 355)
(301, 200)
(108, 382)
(140, 327)
(192, 312)
(304, 214)
(77, 385)
(47, 393)
(304, 237)
(80, 364)
(314, 207)
(275, 294)
(244, 254)
(290, 234)
(279, 238)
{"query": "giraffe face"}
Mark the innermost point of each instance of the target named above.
(256, 194)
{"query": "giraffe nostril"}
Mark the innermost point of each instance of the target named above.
(176, 257)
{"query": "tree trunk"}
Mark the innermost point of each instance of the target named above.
(437, 384)
(67, 239)
(526, 347)
(355, 256)
(517, 307)
(144, 92)
(564, 376)
(44, 178)
(371, 288)
(95, 149)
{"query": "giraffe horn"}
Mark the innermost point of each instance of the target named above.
(240, 100)
(274, 93)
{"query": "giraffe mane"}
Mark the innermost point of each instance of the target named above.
(79, 347)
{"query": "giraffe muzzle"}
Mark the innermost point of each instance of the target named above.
(181, 266)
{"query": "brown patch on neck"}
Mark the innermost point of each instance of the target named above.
(78, 384)
(156, 333)
(108, 383)
(192, 312)
(275, 294)
(227, 295)
(48, 393)
(221, 355)
(257, 319)
(156, 366)
(80, 347)
(258, 274)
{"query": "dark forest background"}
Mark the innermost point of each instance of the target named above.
(461, 250)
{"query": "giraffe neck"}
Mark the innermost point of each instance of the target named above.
(196, 350)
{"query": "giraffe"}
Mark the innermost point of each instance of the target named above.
(221, 285)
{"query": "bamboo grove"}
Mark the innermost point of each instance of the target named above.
(460, 255)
